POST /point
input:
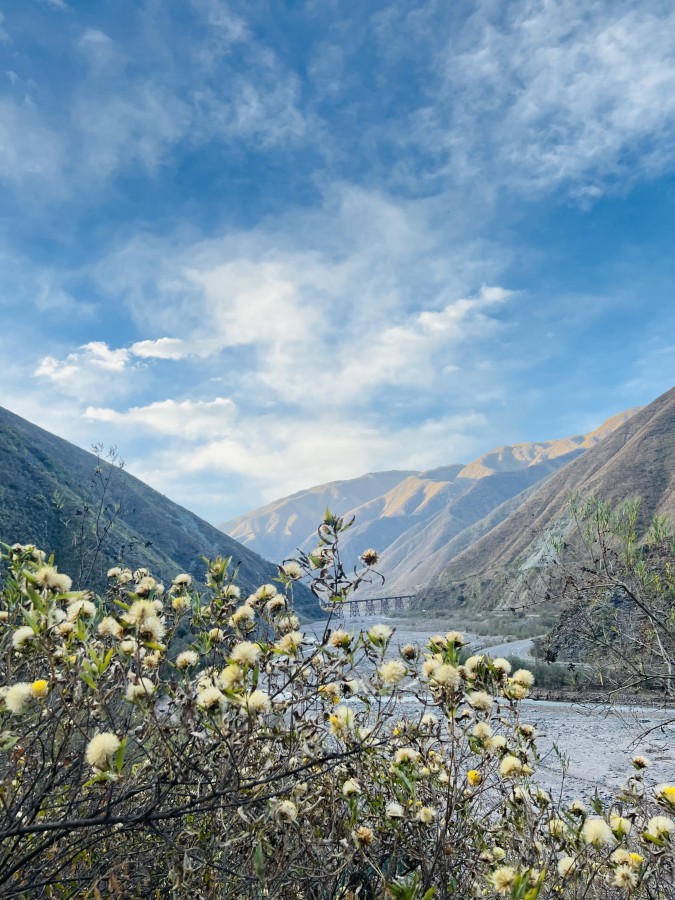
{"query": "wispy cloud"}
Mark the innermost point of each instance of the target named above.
(546, 95)
(260, 248)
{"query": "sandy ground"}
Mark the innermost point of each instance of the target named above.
(597, 742)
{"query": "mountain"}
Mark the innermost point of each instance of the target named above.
(278, 529)
(637, 459)
(418, 521)
(47, 483)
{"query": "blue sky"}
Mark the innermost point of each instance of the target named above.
(259, 246)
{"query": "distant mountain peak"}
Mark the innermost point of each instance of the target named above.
(416, 520)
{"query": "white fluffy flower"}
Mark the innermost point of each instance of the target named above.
(142, 688)
(286, 811)
(660, 827)
(243, 617)
(187, 659)
(426, 815)
(596, 831)
(182, 580)
(392, 672)
(351, 787)
(101, 749)
(245, 653)
(18, 697)
(292, 569)
(210, 698)
(394, 810)
(22, 635)
(84, 608)
(257, 701)
(480, 700)
(380, 633)
(110, 627)
(290, 642)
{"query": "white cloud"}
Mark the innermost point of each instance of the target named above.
(173, 348)
(200, 419)
(358, 296)
(92, 368)
(272, 456)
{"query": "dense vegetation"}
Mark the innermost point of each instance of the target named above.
(257, 763)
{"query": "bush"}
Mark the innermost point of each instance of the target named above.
(256, 763)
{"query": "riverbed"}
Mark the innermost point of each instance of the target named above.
(584, 747)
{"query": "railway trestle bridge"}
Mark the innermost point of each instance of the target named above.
(370, 606)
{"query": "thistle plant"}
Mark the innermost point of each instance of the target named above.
(189, 742)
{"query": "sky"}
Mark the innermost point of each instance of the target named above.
(258, 246)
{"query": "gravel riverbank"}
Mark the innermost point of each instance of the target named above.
(597, 741)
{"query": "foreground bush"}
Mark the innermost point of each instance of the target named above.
(253, 762)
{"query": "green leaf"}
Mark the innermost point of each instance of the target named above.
(7, 741)
(119, 756)
(259, 861)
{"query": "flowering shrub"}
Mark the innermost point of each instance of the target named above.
(255, 762)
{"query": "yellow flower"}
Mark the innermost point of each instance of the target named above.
(665, 792)
(40, 688)
(474, 777)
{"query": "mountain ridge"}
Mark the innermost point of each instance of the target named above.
(44, 482)
(637, 459)
(408, 516)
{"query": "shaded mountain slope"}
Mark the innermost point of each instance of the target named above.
(635, 460)
(45, 483)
